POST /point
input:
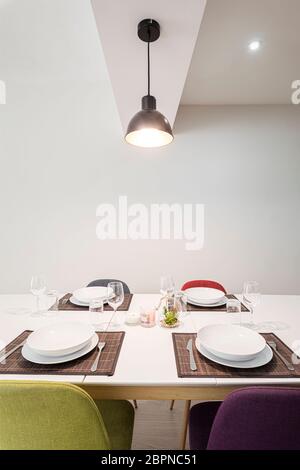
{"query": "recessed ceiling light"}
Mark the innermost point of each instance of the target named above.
(254, 45)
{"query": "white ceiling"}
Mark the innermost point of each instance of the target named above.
(126, 55)
(222, 69)
(56, 41)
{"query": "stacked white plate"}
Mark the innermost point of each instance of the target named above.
(205, 297)
(233, 346)
(60, 342)
(85, 295)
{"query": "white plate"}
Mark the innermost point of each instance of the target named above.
(60, 338)
(199, 304)
(204, 295)
(31, 356)
(83, 304)
(260, 360)
(86, 294)
(231, 342)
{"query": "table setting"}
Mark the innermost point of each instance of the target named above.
(62, 348)
(228, 351)
(80, 299)
(207, 298)
(50, 301)
(68, 347)
(197, 303)
(71, 347)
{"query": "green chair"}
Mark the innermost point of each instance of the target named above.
(59, 416)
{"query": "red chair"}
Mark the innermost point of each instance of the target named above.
(203, 283)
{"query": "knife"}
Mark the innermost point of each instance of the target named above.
(189, 347)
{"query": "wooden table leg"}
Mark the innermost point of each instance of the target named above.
(186, 414)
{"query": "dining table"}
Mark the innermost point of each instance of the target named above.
(146, 368)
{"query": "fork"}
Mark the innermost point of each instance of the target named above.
(100, 347)
(8, 353)
(273, 345)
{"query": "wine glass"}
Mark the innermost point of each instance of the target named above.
(166, 285)
(166, 289)
(181, 302)
(115, 298)
(251, 297)
(37, 288)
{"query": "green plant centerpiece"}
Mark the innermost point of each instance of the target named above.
(170, 313)
(170, 317)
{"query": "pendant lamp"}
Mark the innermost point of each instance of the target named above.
(148, 127)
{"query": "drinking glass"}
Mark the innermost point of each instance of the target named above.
(251, 297)
(115, 298)
(233, 308)
(37, 288)
(52, 302)
(96, 310)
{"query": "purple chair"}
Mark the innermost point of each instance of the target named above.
(257, 418)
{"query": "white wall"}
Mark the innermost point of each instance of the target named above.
(62, 154)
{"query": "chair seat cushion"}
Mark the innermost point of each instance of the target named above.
(118, 417)
(201, 420)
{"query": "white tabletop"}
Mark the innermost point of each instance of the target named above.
(147, 357)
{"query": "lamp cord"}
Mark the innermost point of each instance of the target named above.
(148, 53)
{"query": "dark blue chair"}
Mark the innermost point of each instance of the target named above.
(104, 282)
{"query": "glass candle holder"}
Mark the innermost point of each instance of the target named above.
(147, 318)
(132, 318)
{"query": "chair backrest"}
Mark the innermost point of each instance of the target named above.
(45, 415)
(258, 418)
(203, 283)
(104, 282)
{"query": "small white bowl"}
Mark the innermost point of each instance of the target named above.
(231, 342)
(60, 338)
(204, 295)
(86, 294)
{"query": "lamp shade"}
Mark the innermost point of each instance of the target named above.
(148, 127)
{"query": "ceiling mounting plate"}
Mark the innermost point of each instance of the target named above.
(148, 30)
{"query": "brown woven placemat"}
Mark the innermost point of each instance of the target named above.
(221, 308)
(207, 368)
(16, 364)
(65, 304)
